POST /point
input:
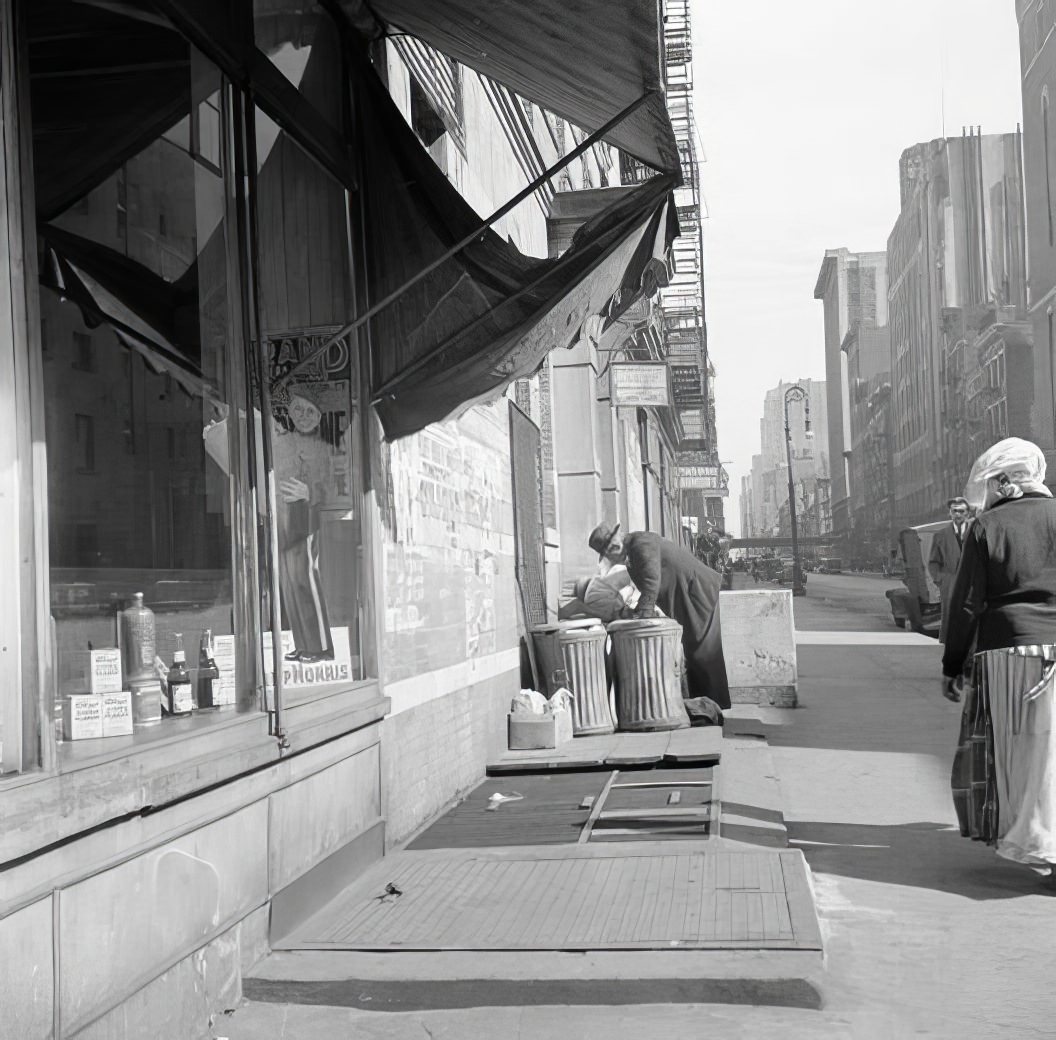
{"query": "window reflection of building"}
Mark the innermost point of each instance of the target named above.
(136, 313)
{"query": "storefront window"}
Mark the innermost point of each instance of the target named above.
(305, 296)
(143, 381)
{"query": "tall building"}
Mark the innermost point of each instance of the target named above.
(1037, 48)
(853, 291)
(868, 353)
(810, 457)
(956, 261)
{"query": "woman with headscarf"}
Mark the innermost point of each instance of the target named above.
(1002, 635)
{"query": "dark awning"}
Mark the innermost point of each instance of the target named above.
(156, 318)
(585, 60)
(103, 85)
(489, 314)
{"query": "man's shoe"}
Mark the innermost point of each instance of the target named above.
(323, 655)
(293, 655)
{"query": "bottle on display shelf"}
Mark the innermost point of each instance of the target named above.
(179, 698)
(138, 640)
(208, 685)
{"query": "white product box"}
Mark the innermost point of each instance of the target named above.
(117, 714)
(224, 658)
(82, 718)
(105, 671)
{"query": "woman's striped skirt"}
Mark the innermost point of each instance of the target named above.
(1004, 771)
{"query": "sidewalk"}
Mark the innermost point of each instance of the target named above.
(925, 933)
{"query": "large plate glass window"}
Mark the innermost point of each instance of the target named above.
(313, 382)
(145, 399)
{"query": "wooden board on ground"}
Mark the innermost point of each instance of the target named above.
(550, 812)
(699, 745)
(646, 895)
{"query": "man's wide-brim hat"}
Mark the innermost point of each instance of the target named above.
(601, 537)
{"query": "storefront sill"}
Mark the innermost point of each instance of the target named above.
(58, 858)
(94, 786)
(307, 731)
(83, 754)
(356, 705)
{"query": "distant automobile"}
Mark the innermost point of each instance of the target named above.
(919, 604)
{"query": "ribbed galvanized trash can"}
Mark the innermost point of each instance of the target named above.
(647, 656)
(578, 648)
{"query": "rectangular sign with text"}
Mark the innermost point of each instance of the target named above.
(640, 384)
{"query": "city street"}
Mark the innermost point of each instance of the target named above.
(838, 602)
(926, 933)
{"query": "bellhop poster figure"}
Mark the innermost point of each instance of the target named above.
(302, 469)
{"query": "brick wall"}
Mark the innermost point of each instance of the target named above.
(437, 751)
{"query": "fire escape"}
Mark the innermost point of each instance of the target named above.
(682, 300)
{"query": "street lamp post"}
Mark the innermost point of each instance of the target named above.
(795, 393)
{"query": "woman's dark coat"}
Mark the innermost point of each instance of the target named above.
(1005, 592)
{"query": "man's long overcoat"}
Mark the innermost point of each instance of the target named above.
(687, 590)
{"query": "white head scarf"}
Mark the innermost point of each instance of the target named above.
(1022, 462)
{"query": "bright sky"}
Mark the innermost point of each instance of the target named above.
(804, 107)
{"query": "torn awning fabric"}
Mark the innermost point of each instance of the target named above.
(489, 314)
(584, 60)
(156, 318)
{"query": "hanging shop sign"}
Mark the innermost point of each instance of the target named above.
(703, 478)
(641, 384)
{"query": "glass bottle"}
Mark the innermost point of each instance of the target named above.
(208, 684)
(180, 691)
(138, 640)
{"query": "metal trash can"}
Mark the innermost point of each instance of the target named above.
(647, 655)
(577, 648)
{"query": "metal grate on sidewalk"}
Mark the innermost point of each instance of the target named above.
(582, 897)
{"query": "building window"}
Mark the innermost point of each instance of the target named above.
(315, 408)
(165, 526)
(426, 121)
(1052, 360)
(170, 424)
(83, 353)
(1048, 172)
(206, 133)
(121, 189)
(84, 443)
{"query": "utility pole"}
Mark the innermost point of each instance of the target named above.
(795, 393)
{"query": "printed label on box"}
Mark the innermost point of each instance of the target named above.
(117, 714)
(83, 717)
(224, 658)
(105, 671)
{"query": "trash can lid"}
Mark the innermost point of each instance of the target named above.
(641, 624)
(565, 626)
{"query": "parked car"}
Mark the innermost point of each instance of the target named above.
(919, 604)
(829, 565)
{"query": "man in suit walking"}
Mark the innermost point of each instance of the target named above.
(946, 555)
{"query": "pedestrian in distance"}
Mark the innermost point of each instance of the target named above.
(1002, 638)
(946, 555)
(685, 589)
